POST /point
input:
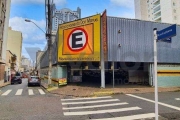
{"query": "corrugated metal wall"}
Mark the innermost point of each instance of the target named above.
(136, 39)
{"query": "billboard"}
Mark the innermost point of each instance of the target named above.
(79, 40)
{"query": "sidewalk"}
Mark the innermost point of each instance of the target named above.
(85, 91)
(4, 84)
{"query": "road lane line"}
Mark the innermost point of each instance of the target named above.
(101, 111)
(86, 98)
(94, 106)
(177, 98)
(19, 92)
(30, 92)
(41, 91)
(6, 93)
(132, 117)
(85, 102)
(160, 103)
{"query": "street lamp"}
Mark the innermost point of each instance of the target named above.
(49, 48)
(35, 24)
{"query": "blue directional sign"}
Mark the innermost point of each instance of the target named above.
(167, 32)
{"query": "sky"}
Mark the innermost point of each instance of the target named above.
(34, 10)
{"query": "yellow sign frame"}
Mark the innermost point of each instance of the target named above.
(91, 52)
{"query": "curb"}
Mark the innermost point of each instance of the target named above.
(5, 85)
(53, 88)
(105, 93)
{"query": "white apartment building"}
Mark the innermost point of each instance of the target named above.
(64, 15)
(166, 11)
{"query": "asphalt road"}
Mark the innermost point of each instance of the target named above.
(19, 102)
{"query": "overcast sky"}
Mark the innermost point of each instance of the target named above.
(35, 11)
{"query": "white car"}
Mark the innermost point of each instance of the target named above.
(34, 80)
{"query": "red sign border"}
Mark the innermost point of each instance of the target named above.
(78, 50)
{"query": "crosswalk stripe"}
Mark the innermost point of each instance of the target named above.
(86, 98)
(132, 117)
(94, 106)
(101, 111)
(19, 92)
(41, 91)
(98, 101)
(160, 103)
(30, 92)
(6, 93)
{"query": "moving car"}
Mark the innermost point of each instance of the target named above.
(34, 80)
(17, 78)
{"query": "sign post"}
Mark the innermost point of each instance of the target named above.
(155, 73)
(163, 35)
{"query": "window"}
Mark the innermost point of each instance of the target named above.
(175, 18)
(174, 4)
(174, 11)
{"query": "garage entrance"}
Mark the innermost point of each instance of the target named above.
(124, 73)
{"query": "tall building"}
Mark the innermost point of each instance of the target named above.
(64, 15)
(25, 63)
(166, 11)
(14, 44)
(4, 23)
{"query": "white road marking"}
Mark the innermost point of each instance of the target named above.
(86, 98)
(177, 98)
(85, 102)
(160, 103)
(19, 92)
(101, 111)
(30, 92)
(94, 106)
(41, 91)
(6, 93)
(132, 117)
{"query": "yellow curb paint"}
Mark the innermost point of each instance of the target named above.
(103, 93)
(50, 89)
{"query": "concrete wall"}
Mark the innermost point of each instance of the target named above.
(168, 75)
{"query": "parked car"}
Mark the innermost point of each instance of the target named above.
(34, 80)
(16, 79)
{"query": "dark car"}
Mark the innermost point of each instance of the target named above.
(16, 79)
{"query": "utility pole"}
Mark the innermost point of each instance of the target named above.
(48, 7)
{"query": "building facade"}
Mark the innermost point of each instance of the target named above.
(14, 44)
(4, 23)
(64, 15)
(25, 63)
(130, 53)
(166, 11)
(10, 63)
(38, 58)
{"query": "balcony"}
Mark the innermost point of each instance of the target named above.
(156, 1)
(157, 19)
(156, 10)
(157, 16)
(156, 5)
